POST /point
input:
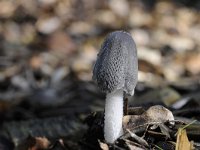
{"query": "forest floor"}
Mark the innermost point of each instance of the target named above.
(47, 50)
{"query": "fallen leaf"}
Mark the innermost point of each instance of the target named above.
(182, 142)
(103, 146)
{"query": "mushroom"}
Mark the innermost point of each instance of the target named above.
(115, 72)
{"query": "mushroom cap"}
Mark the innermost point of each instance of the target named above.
(117, 65)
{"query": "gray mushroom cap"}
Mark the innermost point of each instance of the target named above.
(117, 65)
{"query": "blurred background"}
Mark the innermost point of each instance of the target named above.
(48, 49)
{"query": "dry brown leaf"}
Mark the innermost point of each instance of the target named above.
(35, 62)
(103, 146)
(182, 142)
(34, 143)
(155, 114)
(61, 42)
(193, 63)
(7, 8)
(41, 143)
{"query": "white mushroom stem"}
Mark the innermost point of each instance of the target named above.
(113, 116)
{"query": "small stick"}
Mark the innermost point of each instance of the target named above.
(137, 138)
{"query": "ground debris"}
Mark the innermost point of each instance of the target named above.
(144, 134)
(52, 128)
